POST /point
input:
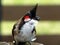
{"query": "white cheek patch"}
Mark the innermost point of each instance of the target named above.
(27, 19)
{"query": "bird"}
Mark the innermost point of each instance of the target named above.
(24, 31)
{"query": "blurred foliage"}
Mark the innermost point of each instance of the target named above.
(30, 2)
(43, 27)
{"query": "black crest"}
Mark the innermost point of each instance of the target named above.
(32, 12)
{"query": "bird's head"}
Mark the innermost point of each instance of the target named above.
(31, 15)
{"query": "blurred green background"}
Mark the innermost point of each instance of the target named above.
(30, 2)
(43, 27)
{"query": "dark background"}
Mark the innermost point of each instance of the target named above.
(45, 12)
(0, 17)
(13, 13)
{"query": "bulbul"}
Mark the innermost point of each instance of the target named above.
(24, 30)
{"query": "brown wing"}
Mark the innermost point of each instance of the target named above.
(17, 27)
(13, 30)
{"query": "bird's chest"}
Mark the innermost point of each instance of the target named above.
(27, 28)
(25, 32)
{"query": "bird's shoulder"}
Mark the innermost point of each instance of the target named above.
(17, 26)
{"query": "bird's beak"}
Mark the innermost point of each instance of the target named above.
(38, 18)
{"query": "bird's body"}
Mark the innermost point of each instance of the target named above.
(25, 31)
